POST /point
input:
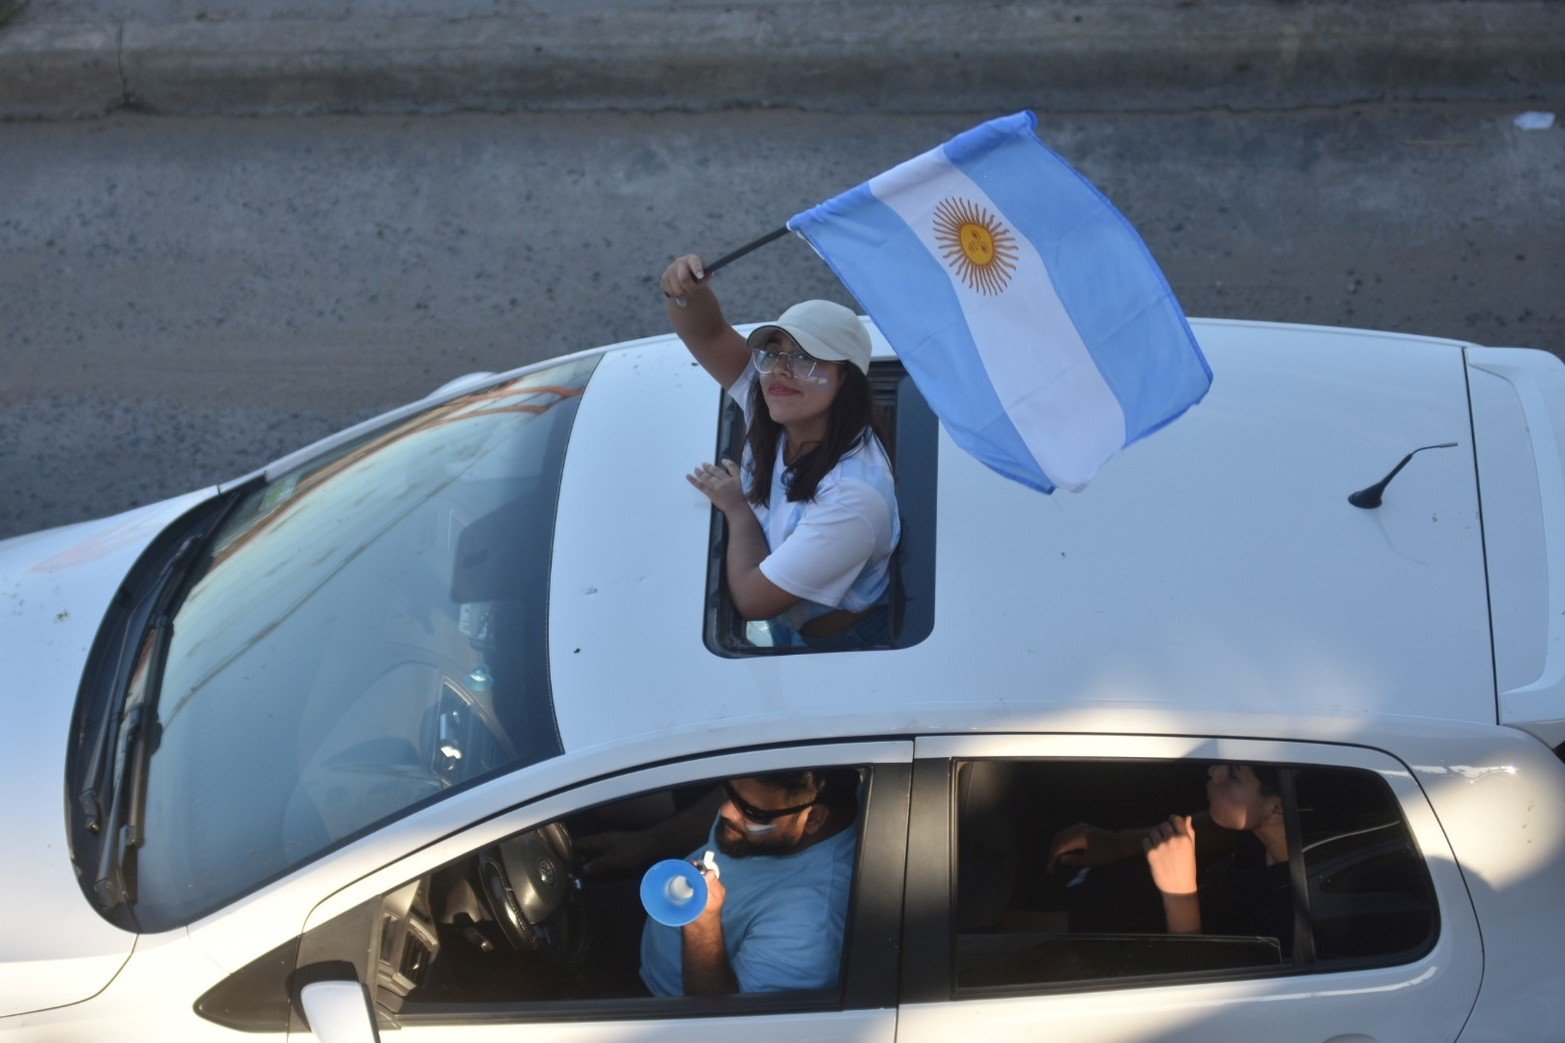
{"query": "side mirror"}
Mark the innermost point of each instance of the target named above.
(339, 1012)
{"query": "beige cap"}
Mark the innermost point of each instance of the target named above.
(824, 330)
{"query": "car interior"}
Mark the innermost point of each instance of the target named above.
(1020, 924)
(518, 922)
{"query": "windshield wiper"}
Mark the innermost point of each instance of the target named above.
(139, 732)
(88, 797)
(116, 881)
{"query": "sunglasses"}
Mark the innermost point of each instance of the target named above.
(764, 816)
(799, 364)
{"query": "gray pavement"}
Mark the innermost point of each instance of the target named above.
(187, 291)
(76, 58)
(182, 299)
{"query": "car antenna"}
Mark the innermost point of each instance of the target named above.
(1369, 498)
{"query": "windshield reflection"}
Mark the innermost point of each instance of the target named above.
(367, 634)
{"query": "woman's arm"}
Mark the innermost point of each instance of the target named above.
(698, 320)
(755, 596)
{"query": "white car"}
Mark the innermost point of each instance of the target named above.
(318, 741)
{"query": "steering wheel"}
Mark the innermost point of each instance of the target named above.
(534, 894)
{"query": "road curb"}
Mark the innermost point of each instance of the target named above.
(59, 72)
(1062, 56)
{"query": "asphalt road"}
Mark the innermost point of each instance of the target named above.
(182, 300)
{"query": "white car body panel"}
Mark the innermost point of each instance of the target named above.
(1519, 414)
(152, 998)
(842, 1026)
(1496, 792)
(1160, 586)
(54, 589)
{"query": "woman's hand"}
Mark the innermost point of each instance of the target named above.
(720, 484)
(1170, 849)
(682, 278)
(697, 319)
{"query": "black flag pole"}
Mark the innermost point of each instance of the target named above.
(734, 255)
(756, 244)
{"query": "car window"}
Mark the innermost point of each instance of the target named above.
(1370, 899)
(367, 635)
(910, 433)
(1055, 884)
(550, 923)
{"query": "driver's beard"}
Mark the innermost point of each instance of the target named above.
(736, 843)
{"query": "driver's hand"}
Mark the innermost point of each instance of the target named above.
(715, 893)
(611, 854)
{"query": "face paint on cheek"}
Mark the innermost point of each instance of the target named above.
(818, 379)
(745, 827)
(755, 829)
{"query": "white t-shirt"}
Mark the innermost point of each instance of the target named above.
(834, 551)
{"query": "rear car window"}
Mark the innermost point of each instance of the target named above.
(1351, 889)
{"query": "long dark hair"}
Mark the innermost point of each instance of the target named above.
(850, 421)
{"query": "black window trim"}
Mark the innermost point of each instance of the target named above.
(928, 963)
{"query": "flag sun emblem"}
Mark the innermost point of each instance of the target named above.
(975, 245)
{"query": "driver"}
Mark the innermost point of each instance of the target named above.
(775, 916)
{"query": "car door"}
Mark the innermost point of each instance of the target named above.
(1377, 937)
(437, 972)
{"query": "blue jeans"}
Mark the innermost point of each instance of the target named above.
(873, 631)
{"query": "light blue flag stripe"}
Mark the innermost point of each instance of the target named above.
(1088, 246)
(856, 234)
(1113, 358)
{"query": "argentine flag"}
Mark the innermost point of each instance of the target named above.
(1025, 307)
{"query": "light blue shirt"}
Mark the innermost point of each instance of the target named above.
(783, 919)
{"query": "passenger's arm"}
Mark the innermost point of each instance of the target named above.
(755, 596)
(697, 319)
(1087, 845)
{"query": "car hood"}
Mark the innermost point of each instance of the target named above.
(54, 589)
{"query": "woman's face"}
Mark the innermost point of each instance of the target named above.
(1235, 798)
(793, 399)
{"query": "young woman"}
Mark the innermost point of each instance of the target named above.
(812, 511)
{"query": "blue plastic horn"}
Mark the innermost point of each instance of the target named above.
(673, 892)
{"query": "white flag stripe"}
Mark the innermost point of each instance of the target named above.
(1048, 383)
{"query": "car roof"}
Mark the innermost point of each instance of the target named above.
(1213, 570)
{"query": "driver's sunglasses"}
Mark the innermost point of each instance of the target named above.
(799, 364)
(764, 816)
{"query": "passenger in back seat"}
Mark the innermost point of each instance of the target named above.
(1244, 892)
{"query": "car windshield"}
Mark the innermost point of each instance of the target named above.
(368, 633)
